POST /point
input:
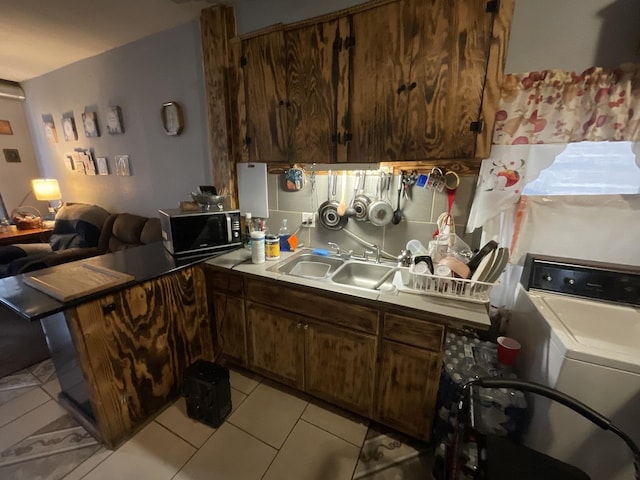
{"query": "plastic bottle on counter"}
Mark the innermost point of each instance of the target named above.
(283, 235)
(257, 247)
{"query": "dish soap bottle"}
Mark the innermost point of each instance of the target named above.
(283, 235)
(248, 228)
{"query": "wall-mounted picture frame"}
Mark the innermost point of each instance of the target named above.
(103, 167)
(49, 128)
(68, 162)
(90, 124)
(172, 118)
(114, 120)
(5, 127)
(122, 165)
(69, 128)
(11, 155)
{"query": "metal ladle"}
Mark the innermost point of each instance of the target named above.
(397, 214)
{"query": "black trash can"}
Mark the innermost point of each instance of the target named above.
(207, 392)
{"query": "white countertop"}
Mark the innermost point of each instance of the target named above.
(457, 312)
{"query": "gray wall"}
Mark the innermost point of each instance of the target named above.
(139, 77)
(15, 177)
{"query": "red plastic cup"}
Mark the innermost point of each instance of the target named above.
(508, 349)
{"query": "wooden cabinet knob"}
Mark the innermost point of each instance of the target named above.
(412, 85)
(401, 88)
(108, 308)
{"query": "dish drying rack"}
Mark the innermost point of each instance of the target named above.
(446, 287)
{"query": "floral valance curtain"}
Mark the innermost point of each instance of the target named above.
(561, 107)
(539, 113)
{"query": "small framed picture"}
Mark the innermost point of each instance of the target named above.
(5, 127)
(68, 162)
(69, 128)
(122, 165)
(49, 128)
(90, 123)
(11, 155)
(114, 120)
(103, 168)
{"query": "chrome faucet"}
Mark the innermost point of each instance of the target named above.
(335, 246)
(376, 250)
(345, 255)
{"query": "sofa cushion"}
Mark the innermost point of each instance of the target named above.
(77, 225)
(126, 230)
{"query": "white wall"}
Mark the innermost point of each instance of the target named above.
(139, 77)
(573, 35)
(15, 177)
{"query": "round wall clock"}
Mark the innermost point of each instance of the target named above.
(172, 120)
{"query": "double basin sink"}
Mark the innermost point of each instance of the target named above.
(342, 271)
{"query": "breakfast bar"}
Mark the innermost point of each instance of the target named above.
(119, 353)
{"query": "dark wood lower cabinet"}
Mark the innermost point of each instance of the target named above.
(382, 365)
(275, 344)
(340, 366)
(407, 388)
(230, 327)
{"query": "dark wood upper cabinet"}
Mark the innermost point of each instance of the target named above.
(388, 81)
(263, 65)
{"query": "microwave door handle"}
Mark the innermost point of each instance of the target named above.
(229, 236)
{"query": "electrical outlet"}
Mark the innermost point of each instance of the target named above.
(309, 219)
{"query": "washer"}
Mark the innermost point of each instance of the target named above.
(587, 348)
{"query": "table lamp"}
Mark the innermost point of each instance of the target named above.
(47, 189)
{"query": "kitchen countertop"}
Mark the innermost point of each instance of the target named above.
(455, 311)
(143, 263)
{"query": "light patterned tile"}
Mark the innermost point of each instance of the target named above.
(8, 395)
(311, 452)
(154, 453)
(51, 467)
(244, 381)
(30, 422)
(176, 419)
(269, 413)
(229, 454)
(89, 464)
(345, 425)
(44, 371)
(18, 380)
(18, 406)
(52, 387)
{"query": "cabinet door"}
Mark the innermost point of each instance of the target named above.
(339, 366)
(407, 387)
(275, 343)
(231, 329)
(418, 72)
(316, 70)
(447, 76)
(264, 77)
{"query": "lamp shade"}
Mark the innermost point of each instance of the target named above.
(46, 189)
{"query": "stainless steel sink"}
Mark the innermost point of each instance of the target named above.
(308, 265)
(364, 275)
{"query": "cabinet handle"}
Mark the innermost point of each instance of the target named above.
(281, 102)
(299, 325)
(412, 85)
(306, 327)
(401, 88)
(347, 137)
(108, 308)
(287, 104)
(335, 138)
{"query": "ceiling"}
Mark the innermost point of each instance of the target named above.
(37, 37)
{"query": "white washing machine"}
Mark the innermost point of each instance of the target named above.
(586, 348)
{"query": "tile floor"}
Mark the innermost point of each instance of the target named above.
(272, 433)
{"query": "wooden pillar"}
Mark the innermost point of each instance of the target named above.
(218, 27)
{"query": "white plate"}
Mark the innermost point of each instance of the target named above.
(484, 267)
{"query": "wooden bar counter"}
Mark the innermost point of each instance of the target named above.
(120, 353)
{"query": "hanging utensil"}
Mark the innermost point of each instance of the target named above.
(342, 206)
(361, 201)
(350, 211)
(397, 214)
(380, 212)
(328, 211)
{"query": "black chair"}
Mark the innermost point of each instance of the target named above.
(500, 459)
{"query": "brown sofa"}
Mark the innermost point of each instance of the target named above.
(119, 231)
